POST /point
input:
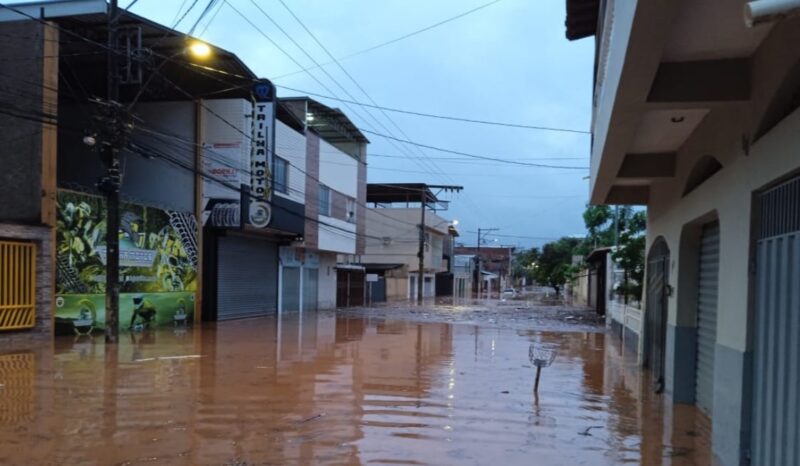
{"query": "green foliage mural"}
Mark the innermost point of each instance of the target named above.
(158, 264)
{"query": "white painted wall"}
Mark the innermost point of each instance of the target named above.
(326, 296)
(337, 235)
(218, 132)
(338, 170)
(726, 195)
(291, 146)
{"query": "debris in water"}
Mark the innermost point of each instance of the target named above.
(587, 433)
(167, 358)
(312, 418)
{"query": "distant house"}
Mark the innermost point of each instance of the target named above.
(696, 115)
(496, 261)
(465, 269)
(393, 239)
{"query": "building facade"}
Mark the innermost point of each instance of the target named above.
(696, 116)
(495, 264)
(393, 239)
(219, 197)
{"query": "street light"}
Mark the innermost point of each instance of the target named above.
(110, 184)
(199, 49)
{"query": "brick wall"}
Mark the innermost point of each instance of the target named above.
(361, 210)
(21, 138)
(312, 190)
(45, 285)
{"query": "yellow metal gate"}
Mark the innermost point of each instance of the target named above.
(17, 285)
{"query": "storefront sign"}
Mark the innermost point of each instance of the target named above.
(226, 164)
(260, 213)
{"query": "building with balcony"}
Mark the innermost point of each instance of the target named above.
(392, 250)
(322, 270)
(695, 115)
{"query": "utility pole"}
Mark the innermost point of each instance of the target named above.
(480, 261)
(421, 253)
(424, 196)
(110, 184)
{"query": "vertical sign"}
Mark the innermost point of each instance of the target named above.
(260, 213)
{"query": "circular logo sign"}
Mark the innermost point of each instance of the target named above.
(260, 214)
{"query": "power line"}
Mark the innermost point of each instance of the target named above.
(441, 117)
(397, 39)
(475, 156)
(472, 161)
(291, 39)
(363, 91)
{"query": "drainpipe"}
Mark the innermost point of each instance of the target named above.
(763, 11)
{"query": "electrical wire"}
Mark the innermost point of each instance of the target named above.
(431, 115)
(423, 156)
(475, 156)
(397, 39)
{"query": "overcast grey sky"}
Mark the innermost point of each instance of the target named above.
(507, 62)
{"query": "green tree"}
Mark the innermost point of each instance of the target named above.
(630, 255)
(555, 262)
(523, 265)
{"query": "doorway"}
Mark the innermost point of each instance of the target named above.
(656, 312)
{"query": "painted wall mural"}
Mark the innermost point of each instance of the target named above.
(158, 265)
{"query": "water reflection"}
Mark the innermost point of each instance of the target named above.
(314, 388)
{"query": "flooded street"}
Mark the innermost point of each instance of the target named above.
(323, 388)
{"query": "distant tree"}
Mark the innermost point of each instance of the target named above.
(523, 264)
(630, 255)
(555, 262)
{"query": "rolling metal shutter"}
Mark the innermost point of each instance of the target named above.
(290, 301)
(247, 282)
(776, 351)
(310, 289)
(708, 284)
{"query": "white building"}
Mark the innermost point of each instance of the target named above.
(325, 159)
(696, 116)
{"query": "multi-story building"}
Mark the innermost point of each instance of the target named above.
(220, 213)
(696, 115)
(325, 263)
(494, 263)
(393, 240)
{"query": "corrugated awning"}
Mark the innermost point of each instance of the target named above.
(582, 18)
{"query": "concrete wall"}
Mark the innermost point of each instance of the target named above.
(149, 180)
(337, 170)
(400, 227)
(336, 235)
(22, 138)
(327, 281)
(290, 145)
(726, 197)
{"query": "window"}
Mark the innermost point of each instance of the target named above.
(324, 200)
(281, 175)
(351, 210)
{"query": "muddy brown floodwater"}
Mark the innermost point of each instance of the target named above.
(328, 389)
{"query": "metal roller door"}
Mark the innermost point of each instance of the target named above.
(776, 350)
(290, 294)
(707, 288)
(247, 282)
(310, 289)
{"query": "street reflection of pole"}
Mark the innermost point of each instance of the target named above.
(110, 365)
(476, 343)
